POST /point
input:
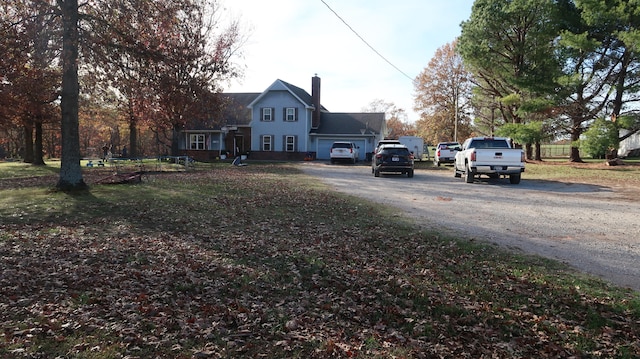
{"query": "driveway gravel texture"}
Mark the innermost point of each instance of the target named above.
(590, 227)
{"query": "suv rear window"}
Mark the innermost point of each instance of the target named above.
(395, 151)
(341, 145)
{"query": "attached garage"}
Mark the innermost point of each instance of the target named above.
(324, 147)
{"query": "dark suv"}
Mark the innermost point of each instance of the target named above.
(392, 158)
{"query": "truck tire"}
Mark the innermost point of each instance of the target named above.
(456, 173)
(410, 173)
(468, 175)
(514, 179)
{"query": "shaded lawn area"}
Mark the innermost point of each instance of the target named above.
(263, 261)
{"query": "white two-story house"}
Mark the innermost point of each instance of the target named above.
(284, 122)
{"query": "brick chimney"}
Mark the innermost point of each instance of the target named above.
(315, 98)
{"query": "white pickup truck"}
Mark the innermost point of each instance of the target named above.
(490, 156)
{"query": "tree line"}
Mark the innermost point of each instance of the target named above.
(533, 70)
(152, 64)
(538, 70)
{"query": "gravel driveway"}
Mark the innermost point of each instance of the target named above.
(590, 227)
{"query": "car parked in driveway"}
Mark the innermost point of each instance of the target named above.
(446, 152)
(344, 151)
(386, 142)
(392, 158)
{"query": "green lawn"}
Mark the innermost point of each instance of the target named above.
(264, 261)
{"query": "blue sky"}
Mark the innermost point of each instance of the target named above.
(293, 40)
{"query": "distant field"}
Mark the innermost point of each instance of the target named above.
(552, 151)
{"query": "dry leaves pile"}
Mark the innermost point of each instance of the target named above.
(260, 262)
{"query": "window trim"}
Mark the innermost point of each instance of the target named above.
(293, 144)
(266, 112)
(197, 141)
(294, 114)
(266, 141)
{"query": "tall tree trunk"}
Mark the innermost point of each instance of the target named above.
(38, 154)
(574, 154)
(70, 170)
(538, 151)
(28, 143)
(133, 138)
(528, 151)
(175, 140)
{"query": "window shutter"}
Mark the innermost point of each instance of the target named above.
(284, 114)
(296, 119)
(295, 138)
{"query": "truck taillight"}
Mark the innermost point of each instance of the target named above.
(473, 156)
(438, 152)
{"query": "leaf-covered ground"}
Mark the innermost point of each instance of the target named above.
(263, 262)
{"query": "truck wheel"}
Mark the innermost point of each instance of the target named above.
(514, 179)
(376, 173)
(468, 175)
(410, 173)
(456, 174)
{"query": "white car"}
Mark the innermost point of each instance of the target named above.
(344, 151)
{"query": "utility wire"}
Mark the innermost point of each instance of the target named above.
(366, 43)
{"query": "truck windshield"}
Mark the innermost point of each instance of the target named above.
(489, 144)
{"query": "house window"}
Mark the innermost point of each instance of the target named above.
(196, 142)
(290, 143)
(291, 114)
(267, 143)
(267, 114)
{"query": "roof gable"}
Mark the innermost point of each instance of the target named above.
(300, 94)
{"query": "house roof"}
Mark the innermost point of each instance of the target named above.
(233, 111)
(348, 123)
(302, 95)
(236, 111)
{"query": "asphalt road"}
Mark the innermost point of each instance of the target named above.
(592, 228)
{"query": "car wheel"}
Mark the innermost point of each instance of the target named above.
(468, 175)
(376, 173)
(410, 173)
(514, 179)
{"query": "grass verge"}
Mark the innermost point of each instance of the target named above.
(264, 261)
